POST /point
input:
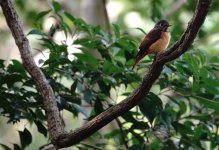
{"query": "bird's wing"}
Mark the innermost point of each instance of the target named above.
(149, 39)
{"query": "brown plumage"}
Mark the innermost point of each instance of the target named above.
(155, 41)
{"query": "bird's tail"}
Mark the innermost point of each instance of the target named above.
(136, 62)
(138, 58)
(134, 65)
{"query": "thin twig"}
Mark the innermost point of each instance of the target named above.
(91, 146)
(124, 136)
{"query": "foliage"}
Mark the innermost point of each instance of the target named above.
(180, 112)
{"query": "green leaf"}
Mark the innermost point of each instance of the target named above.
(16, 66)
(56, 6)
(128, 116)
(46, 43)
(74, 86)
(136, 147)
(80, 109)
(201, 133)
(61, 103)
(17, 147)
(41, 128)
(183, 107)
(208, 103)
(42, 14)
(201, 117)
(87, 58)
(150, 106)
(140, 125)
(10, 79)
(156, 9)
(98, 107)
(88, 96)
(70, 17)
(86, 42)
(40, 114)
(36, 32)
(127, 43)
(14, 116)
(182, 128)
(25, 138)
(211, 85)
(140, 29)
(110, 68)
(2, 63)
(116, 30)
(82, 25)
(165, 119)
(214, 59)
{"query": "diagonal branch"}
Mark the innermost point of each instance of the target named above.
(59, 137)
(175, 51)
(189, 35)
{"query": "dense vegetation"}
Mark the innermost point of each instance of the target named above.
(180, 112)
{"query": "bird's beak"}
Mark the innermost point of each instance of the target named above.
(169, 25)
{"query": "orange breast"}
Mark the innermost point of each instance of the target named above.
(160, 44)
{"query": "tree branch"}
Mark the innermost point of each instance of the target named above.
(54, 121)
(61, 139)
(131, 101)
(189, 35)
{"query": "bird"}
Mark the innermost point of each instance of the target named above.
(156, 41)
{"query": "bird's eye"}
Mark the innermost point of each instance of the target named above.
(161, 24)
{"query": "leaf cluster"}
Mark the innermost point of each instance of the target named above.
(94, 70)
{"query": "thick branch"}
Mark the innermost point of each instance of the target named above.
(54, 122)
(155, 70)
(52, 112)
(189, 35)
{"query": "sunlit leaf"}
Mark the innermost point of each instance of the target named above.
(36, 32)
(69, 16)
(116, 30)
(208, 103)
(42, 14)
(56, 6)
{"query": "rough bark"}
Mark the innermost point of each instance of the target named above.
(54, 121)
(59, 137)
(172, 53)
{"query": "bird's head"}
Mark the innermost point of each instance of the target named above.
(162, 25)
